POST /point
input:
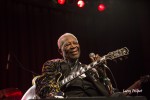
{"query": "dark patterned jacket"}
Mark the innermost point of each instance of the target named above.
(50, 74)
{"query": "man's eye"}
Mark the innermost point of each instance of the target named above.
(75, 42)
(67, 45)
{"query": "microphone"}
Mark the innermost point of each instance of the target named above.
(8, 60)
(91, 55)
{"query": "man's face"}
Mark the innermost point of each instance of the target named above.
(70, 48)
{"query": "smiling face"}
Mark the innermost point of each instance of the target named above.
(70, 48)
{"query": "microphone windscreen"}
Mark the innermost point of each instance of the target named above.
(92, 54)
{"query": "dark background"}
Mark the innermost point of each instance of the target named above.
(29, 30)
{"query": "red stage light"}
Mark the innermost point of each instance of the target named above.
(80, 3)
(61, 2)
(101, 7)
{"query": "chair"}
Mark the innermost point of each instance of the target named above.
(29, 94)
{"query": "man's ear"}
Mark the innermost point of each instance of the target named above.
(59, 50)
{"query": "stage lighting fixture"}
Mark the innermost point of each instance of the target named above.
(101, 7)
(61, 2)
(80, 3)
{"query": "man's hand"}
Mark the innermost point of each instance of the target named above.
(94, 57)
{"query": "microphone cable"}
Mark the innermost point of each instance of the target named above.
(111, 75)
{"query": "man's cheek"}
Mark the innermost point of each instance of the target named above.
(66, 53)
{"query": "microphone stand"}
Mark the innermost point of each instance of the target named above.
(7, 69)
(20, 65)
(8, 61)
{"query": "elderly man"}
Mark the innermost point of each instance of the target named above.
(90, 83)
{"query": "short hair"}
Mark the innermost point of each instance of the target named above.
(60, 38)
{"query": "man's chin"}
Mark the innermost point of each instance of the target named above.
(75, 57)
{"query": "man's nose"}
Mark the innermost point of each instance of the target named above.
(73, 45)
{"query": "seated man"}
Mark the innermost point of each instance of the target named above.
(94, 82)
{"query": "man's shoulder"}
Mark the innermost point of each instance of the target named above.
(58, 60)
(51, 65)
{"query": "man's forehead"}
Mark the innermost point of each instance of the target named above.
(68, 38)
(65, 38)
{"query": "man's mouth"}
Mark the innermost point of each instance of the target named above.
(74, 52)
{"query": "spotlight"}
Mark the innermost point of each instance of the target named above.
(61, 2)
(80, 3)
(101, 7)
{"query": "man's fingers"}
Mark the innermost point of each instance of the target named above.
(92, 58)
(95, 57)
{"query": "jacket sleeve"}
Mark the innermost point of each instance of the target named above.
(45, 81)
(103, 77)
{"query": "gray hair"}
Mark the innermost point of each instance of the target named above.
(60, 38)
